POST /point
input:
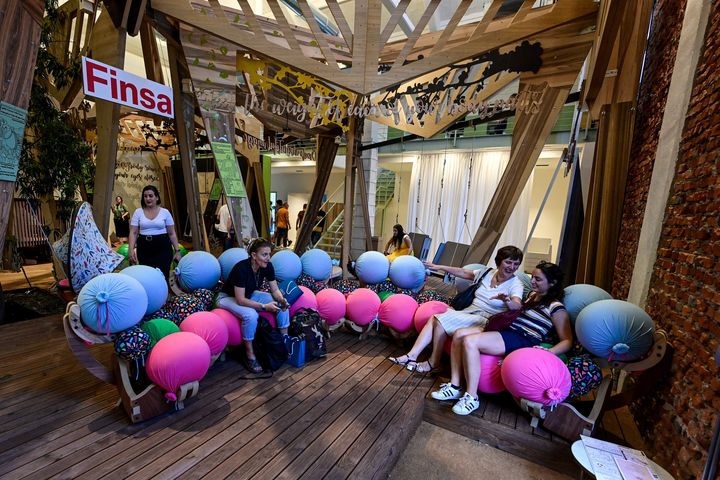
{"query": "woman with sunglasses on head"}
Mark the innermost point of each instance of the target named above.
(542, 315)
(153, 241)
(498, 290)
(242, 297)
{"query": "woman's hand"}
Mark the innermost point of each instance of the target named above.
(429, 265)
(271, 307)
(133, 256)
(177, 255)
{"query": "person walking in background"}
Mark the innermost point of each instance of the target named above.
(224, 228)
(300, 216)
(282, 224)
(152, 233)
(121, 218)
(318, 228)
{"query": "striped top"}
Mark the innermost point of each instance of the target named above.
(536, 322)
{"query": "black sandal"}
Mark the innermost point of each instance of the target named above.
(402, 363)
(432, 368)
(253, 366)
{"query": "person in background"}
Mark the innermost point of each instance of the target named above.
(300, 216)
(224, 228)
(282, 224)
(152, 239)
(121, 218)
(318, 228)
(241, 296)
(499, 290)
(400, 243)
(543, 314)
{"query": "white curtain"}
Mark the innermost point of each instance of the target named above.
(440, 196)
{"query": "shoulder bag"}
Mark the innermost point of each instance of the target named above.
(465, 298)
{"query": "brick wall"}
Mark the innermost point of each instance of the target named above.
(684, 297)
(662, 46)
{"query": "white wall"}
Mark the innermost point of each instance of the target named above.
(550, 223)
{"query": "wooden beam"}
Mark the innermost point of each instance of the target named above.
(340, 21)
(264, 207)
(19, 38)
(452, 24)
(395, 17)
(284, 25)
(531, 130)
(151, 52)
(362, 186)
(184, 105)
(413, 37)
(326, 150)
(315, 29)
(349, 194)
(108, 46)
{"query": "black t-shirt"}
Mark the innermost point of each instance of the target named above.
(243, 276)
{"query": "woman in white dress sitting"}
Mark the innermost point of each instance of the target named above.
(499, 290)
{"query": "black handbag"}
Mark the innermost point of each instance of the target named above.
(465, 298)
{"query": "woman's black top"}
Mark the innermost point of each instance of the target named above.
(242, 276)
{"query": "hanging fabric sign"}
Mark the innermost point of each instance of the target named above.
(229, 170)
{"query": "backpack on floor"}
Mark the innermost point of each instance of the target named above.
(307, 323)
(269, 346)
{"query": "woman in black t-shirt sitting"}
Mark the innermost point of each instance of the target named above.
(242, 297)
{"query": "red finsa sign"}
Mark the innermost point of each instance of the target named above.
(115, 85)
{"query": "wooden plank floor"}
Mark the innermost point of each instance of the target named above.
(342, 417)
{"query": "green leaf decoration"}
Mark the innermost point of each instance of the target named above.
(224, 75)
(224, 50)
(196, 62)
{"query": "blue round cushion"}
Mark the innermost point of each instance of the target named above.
(407, 271)
(287, 265)
(461, 284)
(153, 281)
(372, 267)
(615, 329)
(317, 264)
(229, 258)
(112, 302)
(580, 296)
(197, 270)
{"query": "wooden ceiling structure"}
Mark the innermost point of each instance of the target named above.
(371, 58)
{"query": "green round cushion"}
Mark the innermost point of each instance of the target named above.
(158, 328)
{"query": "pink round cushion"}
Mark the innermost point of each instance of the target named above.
(270, 317)
(425, 311)
(362, 306)
(233, 325)
(306, 300)
(64, 283)
(331, 305)
(490, 374)
(209, 327)
(177, 359)
(536, 374)
(397, 312)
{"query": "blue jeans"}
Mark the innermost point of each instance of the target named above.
(249, 316)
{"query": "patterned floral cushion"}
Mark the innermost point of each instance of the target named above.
(585, 375)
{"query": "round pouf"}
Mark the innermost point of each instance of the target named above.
(585, 375)
(537, 375)
(270, 317)
(397, 311)
(153, 281)
(177, 359)
(112, 302)
(287, 265)
(197, 270)
(615, 329)
(490, 374)
(233, 326)
(407, 271)
(306, 300)
(362, 306)
(384, 295)
(372, 267)
(425, 311)
(228, 259)
(316, 263)
(132, 344)
(580, 296)
(461, 284)
(209, 327)
(331, 305)
(159, 328)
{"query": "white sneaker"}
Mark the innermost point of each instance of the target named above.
(446, 392)
(466, 405)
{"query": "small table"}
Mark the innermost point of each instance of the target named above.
(578, 451)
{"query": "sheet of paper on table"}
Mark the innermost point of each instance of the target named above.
(611, 461)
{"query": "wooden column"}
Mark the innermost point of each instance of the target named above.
(325, 157)
(108, 46)
(351, 152)
(532, 127)
(362, 185)
(264, 207)
(603, 214)
(20, 22)
(184, 105)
